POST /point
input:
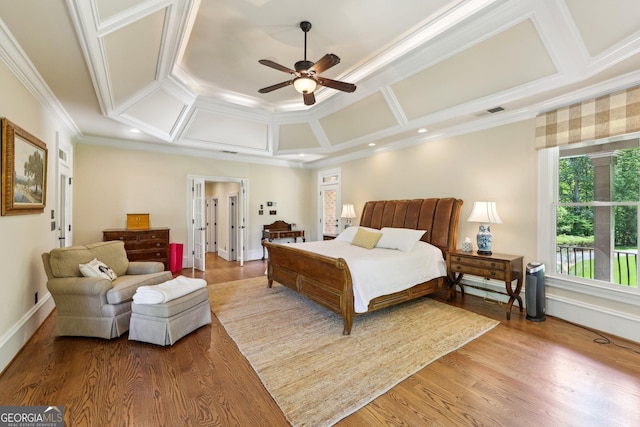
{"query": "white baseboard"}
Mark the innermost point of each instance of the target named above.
(17, 336)
(223, 254)
(254, 254)
(619, 323)
(600, 317)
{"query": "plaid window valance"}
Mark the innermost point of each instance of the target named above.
(609, 115)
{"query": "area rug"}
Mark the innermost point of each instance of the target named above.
(318, 376)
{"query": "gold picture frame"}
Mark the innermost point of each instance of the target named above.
(24, 171)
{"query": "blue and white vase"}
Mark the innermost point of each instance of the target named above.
(485, 240)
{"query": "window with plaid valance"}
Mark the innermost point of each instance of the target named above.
(609, 115)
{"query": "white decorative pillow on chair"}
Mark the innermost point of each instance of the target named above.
(95, 268)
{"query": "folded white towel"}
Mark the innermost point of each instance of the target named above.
(167, 291)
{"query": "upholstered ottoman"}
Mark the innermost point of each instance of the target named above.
(164, 324)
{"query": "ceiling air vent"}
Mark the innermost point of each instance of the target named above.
(495, 110)
(229, 152)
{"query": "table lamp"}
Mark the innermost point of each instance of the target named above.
(349, 213)
(484, 213)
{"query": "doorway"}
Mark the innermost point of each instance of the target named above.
(64, 196)
(230, 242)
(329, 204)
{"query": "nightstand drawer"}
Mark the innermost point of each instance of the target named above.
(478, 271)
(479, 262)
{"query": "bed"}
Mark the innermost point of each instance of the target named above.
(328, 280)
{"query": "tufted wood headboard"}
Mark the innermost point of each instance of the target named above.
(439, 217)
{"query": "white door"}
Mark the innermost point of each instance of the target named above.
(212, 225)
(330, 213)
(198, 219)
(329, 205)
(64, 211)
(64, 171)
(233, 227)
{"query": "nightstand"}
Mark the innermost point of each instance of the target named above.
(501, 267)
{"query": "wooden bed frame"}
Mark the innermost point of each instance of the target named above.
(327, 281)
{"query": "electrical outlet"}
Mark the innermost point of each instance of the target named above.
(53, 225)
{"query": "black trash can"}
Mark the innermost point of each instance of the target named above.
(535, 292)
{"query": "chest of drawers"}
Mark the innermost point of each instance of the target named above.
(142, 245)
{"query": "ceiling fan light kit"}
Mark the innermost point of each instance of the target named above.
(304, 84)
(306, 74)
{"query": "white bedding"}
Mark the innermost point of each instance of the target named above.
(376, 272)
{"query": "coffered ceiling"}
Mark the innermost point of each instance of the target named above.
(186, 73)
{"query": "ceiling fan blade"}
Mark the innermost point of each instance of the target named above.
(309, 98)
(324, 63)
(335, 84)
(276, 86)
(277, 66)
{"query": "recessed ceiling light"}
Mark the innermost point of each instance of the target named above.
(372, 144)
(301, 155)
(422, 130)
(134, 130)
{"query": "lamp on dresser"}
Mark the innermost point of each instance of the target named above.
(485, 213)
(349, 213)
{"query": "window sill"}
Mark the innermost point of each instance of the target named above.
(630, 296)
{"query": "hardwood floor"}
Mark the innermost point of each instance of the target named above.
(520, 373)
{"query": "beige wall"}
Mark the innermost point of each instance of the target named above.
(24, 237)
(111, 182)
(497, 164)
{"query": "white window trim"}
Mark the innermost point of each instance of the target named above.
(548, 160)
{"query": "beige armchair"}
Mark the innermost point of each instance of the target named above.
(96, 306)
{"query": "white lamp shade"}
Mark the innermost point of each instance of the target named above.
(348, 211)
(485, 213)
(305, 84)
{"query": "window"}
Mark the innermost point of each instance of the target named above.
(596, 212)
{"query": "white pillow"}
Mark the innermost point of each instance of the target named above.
(403, 239)
(350, 232)
(95, 268)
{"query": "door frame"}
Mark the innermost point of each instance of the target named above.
(242, 209)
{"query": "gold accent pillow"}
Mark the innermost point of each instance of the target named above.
(366, 239)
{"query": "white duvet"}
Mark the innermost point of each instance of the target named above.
(376, 272)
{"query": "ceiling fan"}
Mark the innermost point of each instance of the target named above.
(306, 74)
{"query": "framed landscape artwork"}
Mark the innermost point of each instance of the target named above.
(24, 171)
